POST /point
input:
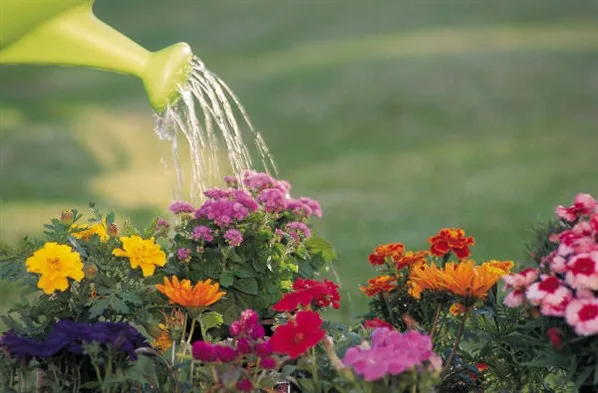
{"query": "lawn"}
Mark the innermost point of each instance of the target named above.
(399, 117)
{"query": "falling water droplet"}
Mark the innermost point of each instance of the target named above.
(206, 116)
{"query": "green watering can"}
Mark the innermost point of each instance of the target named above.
(66, 32)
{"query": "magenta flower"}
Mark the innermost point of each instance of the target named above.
(225, 353)
(202, 232)
(181, 207)
(268, 363)
(183, 253)
(234, 237)
(298, 230)
(273, 200)
(258, 181)
(204, 351)
(391, 353)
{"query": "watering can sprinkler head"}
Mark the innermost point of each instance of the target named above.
(66, 32)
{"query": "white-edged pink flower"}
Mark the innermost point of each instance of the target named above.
(515, 298)
(582, 271)
(556, 310)
(558, 264)
(520, 280)
(550, 290)
(584, 205)
(582, 315)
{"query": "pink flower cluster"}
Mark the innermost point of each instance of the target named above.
(248, 348)
(391, 353)
(224, 207)
(234, 237)
(566, 285)
(298, 230)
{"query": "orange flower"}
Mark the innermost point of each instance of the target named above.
(163, 342)
(394, 251)
(423, 277)
(468, 281)
(500, 267)
(451, 239)
(412, 258)
(378, 285)
(457, 308)
(203, 294)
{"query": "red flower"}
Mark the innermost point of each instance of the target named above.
(451, 239)
(394, 251)
(554, 334)
(377, 323)
(323, 294)
(297, 336)
(482, 366)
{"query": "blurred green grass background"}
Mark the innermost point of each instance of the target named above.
(400, 117)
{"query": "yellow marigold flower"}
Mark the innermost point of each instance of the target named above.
(468, 281)
(142, 253)
(85, 232)
(55, 262)
(163, 342)
(378, 285)
(457, 308)
(423, 277)
(203, 294)
(500, 267)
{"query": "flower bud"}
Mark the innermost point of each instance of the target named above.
(67, 217)
(113, 230)
(244, 347)
(91, 271)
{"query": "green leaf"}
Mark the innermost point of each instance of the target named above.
(210, 319)
(259, 265)
(227, 279)
(245, 272)
(247, 285)
(318, 245)
(119, 306)
(98, 307)
(130, 297)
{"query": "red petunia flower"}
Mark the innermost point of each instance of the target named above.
(394, 251)
(451, 239)
(482, 366)
(377, 323)
(297, 336)
(323, 294)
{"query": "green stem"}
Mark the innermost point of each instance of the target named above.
(436, 319)
(384, 297)
(449, 360)
(191, 331)
(314, 374)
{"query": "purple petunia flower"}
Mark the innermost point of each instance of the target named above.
(71, 336)
(233, 237)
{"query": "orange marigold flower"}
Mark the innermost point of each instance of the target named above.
(378, 285)
(468, 281)
(394, 251)
(163, 342)
(457, 309)
(412, 258)
(451, 239)
(203, 294)
(423, 277)
(500, 267)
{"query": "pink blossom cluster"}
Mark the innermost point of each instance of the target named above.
(391, 353)
(234, 237)
(224, 207)
(298, 230)
(259, 181)
(247, 347)
(566, 283)
(203, 232)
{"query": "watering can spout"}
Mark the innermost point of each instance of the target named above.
(66, 32)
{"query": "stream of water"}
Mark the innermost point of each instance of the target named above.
(212, 120)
